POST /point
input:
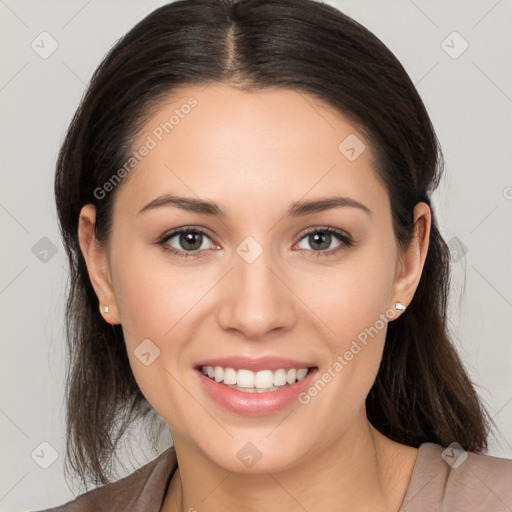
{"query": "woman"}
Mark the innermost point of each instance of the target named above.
(244, 198)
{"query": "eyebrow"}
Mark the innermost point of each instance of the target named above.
(297, 209)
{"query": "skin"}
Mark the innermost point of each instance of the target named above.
(255, 154)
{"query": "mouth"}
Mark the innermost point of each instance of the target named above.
(248, 381)
(255, 387)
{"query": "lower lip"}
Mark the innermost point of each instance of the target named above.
(255, 404)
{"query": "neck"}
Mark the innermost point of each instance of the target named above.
(363, 471)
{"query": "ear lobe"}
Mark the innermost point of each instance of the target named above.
(412, 258)
(95, 256)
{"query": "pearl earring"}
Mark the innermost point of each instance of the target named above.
(399, 306)
(106, 309)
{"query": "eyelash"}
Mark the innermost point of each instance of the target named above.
(346, 242)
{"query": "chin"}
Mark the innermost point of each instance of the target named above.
(241, 455)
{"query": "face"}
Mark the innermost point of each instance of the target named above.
(268, 286)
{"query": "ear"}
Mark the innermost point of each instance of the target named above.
(412, 258)
(97, 263)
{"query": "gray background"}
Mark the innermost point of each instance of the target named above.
(468, 97)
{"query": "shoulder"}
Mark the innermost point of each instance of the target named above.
(144, 489)
(453, 479)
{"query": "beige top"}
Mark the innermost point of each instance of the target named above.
(441, 480)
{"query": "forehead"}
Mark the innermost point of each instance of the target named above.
(268, 118)
(226, 143)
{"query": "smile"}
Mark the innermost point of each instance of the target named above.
(273, 384)
(248, 381)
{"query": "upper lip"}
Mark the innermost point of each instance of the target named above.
(256, 364)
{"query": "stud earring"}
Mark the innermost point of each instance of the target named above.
(399, 306)
(105, 309)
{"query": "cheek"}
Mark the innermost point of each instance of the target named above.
(138, 298)
(157, 301)
(354, 302)
(154, 301)
(152, 294)
(353, 297)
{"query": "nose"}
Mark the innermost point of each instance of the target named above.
(256, 299)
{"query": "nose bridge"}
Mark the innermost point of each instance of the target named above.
(256, 300)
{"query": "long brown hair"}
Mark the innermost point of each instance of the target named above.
(422, 391)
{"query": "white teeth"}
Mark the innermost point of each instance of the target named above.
(245, 378)
(264, 379)
(229, 376)
(301, 373)
(280, 377)
(219, 374)
(254, 382)
(291, 376)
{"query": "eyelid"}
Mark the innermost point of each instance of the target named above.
(327, 228)
(183, 229)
